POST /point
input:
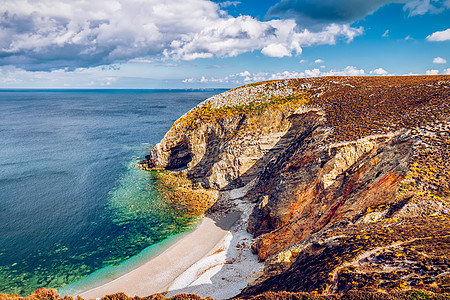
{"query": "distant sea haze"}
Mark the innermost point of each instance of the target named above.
(72, 200)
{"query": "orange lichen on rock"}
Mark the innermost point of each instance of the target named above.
(178, 193)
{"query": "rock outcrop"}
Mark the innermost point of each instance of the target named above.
(225, 141)
(349, 176)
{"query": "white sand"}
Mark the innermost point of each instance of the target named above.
(221, 275)
(156, 275)
(229, 267)
(213, 260)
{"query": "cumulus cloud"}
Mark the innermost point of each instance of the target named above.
(276, 50)
(432, 72)
(439, 60)
(229, 3)
(421, 7)
(379, 71)
(439, 36)
(447, 71)
(328, 35)
(309, 14)
(348, 71)
(319, 61)
(247, 77)
(276, 38)
(51, 34)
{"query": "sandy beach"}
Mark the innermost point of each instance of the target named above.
(215, 260)
(156, 275)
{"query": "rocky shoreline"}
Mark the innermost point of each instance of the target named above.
(324, 155)
(343, 183)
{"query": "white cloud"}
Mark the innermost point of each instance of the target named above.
(319, 61)
(49, 34)
(275, 50)
(229, 3)
(328, 35)
(311, 73)
(439, 60)
(386, 33)
(447, 71)
(12, 77)
(421, 7)
(277, 38)
(439, 36)
(143, 60)
(348, 71)
(379, 71)
(432, 72)
(247, 77)
(285, 75)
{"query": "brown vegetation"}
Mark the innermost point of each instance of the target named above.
(51, 294)
(357, 107)
(178, 192)
(44, 294)
(406, 118)
(209, 114)
(387, 255)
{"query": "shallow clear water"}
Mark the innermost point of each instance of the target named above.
(72, 200)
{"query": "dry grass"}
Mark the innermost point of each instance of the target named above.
(44, 294)
(207, 113)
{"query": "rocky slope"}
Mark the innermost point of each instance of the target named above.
(348, 179)
(349, 175)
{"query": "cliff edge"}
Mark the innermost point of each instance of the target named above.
(349, 177)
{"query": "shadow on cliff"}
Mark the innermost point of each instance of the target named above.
(238, 271)
(216, 147)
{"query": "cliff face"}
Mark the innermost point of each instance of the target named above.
(345, 173)
(320, 185)
(225, 141)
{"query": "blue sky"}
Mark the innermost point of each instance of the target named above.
(204, 44)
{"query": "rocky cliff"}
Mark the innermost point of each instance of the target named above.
(349, 176)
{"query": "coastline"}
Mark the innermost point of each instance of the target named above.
(156, 275)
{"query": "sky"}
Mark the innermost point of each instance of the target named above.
(163, 44)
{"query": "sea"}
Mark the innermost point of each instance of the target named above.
(75, 210)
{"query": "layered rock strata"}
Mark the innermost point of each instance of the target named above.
(349, 177)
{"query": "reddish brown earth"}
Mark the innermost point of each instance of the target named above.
(350, 177)
(351, 152)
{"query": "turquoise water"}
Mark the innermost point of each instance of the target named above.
(72, 201)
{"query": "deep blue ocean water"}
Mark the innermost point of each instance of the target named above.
(72, 200)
